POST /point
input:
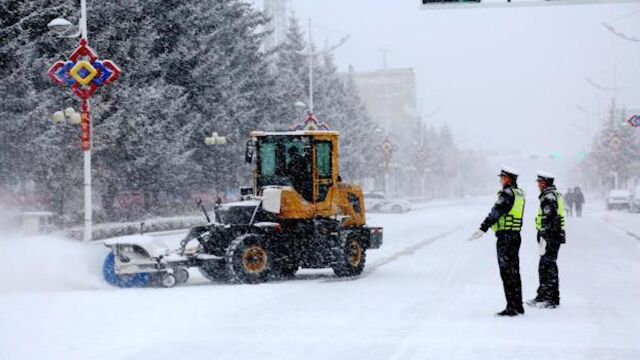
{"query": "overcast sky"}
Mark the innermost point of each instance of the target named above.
(503, 78)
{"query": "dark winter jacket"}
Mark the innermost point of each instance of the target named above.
(551, 224)
(503, 205)
(578, 198)
(569, 198)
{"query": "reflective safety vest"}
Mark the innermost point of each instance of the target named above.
(541, 216)
(512, 221)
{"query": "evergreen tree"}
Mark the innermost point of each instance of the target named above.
(614, 152)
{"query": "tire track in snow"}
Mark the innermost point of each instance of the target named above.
(407, 251)
(410, 250)
(633, 235)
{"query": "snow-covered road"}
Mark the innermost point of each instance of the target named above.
(426, 294)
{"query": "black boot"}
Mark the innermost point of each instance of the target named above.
(547, 305)
(510, 312)
(534, 302)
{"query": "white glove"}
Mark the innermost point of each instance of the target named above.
(543, 246)
(476, 235)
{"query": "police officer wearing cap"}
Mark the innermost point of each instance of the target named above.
(505, 219)
(550, 223)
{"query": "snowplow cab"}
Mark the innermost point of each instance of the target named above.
(303, 165)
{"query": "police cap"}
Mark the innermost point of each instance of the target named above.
(508, 171)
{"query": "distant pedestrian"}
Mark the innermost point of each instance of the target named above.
(568, 201)
(550, 224)
(578, 200)
(505, 219)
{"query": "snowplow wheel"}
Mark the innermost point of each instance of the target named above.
(123, 281)
(168, 280)
(248, 260)
(350, 257)
(181, 274)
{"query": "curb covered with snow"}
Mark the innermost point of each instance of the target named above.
(110, 230)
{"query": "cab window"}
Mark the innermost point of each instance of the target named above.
(323, 159)
(268, 159)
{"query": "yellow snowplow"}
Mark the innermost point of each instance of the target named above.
(297, 214)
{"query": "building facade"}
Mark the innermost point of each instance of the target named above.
(390, 98)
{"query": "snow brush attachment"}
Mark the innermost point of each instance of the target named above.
(127, 281)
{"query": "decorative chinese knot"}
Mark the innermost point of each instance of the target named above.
(84, 73)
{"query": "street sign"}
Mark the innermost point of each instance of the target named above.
(634, 120)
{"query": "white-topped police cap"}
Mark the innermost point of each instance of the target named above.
(545, 176)
(508, 171)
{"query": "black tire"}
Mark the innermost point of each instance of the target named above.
(349, 257)
(168, 280)
(248, 259)
(181, 274)
(215, 271)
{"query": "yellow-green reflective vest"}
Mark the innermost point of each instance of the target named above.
(512, 221)
(541, 216)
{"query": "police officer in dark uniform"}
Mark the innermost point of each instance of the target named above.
(550, 223)
(505, 219)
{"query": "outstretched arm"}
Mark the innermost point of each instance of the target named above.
(501, 207)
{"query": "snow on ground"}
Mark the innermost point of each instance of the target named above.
(48, 263)
(426, 294)
(627, 221)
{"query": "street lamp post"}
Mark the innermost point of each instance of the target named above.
(310, 53)
(213, 140)
(84, 73)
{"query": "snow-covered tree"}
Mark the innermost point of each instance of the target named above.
(614, 152)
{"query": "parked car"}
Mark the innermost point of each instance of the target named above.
(635, 199)
(379, 202)
(619, 199)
